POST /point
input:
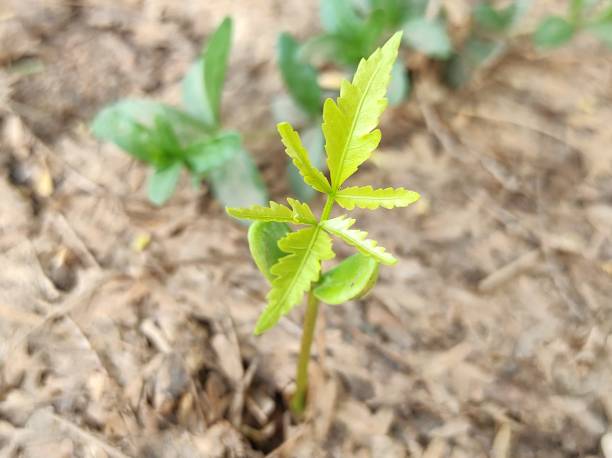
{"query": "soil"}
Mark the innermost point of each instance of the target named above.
(126, 330)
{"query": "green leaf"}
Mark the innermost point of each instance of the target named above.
(299, 155)
(295, 272)
(395, 11)
(299, 77)
(206, 155)
(203, 84)
(301, 212)
(340, 227)
(353, 278)
(195, 98)
(237, 182)
(603, 31)
(130, 124)
(315, 145)
(339, 17)
(475, 53)
(428, 36)
(494, 20)
(348, 125)
(399, 87)
(215, 57)
(552, 32)
(162, 183)
(366, 197)
(263, 242)
(274, 212)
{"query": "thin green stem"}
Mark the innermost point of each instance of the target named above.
(329, 203)
(298, 402)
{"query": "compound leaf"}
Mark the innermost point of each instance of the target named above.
(367, 197)
(274, 212)
(295, 272)
(162, 183)
(299, 155)
(301, 212)
(299, 77)
(348, 126)
(263, 242)
(340, 227)
(351, 279)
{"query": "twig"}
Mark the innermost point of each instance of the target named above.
(509, 271)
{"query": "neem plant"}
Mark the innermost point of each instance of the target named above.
(170, 139)
(290, 260)
(349, 34)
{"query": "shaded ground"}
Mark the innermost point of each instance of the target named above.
(490, 337)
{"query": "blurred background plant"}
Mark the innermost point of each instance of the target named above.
(170, 139)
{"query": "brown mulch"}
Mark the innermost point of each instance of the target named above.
(126, 330)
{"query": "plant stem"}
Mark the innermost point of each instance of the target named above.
(298, 401)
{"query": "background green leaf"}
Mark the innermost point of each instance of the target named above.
(263, 242)
(350, 279)
(399, 86)
(215, 57)
(553, 32)
(130, 124)
(205, 155)
(494, 20)
(428, 37)
(162, 183)
(237, 182)
(299, 77)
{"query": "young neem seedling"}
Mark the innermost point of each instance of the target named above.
(291, 261)
(170, 139)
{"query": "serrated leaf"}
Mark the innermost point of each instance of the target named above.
(340, 227)
(263, 242)
(206, 155)
(162, 183)
(552, 32)
(274, 212)
(299, 77)
(428, 36)
(367, 197)
(301, 212)
(237, 182)
(295, 272)
(351, 279)
(314, 144)
(299, 155)
(348, 126)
